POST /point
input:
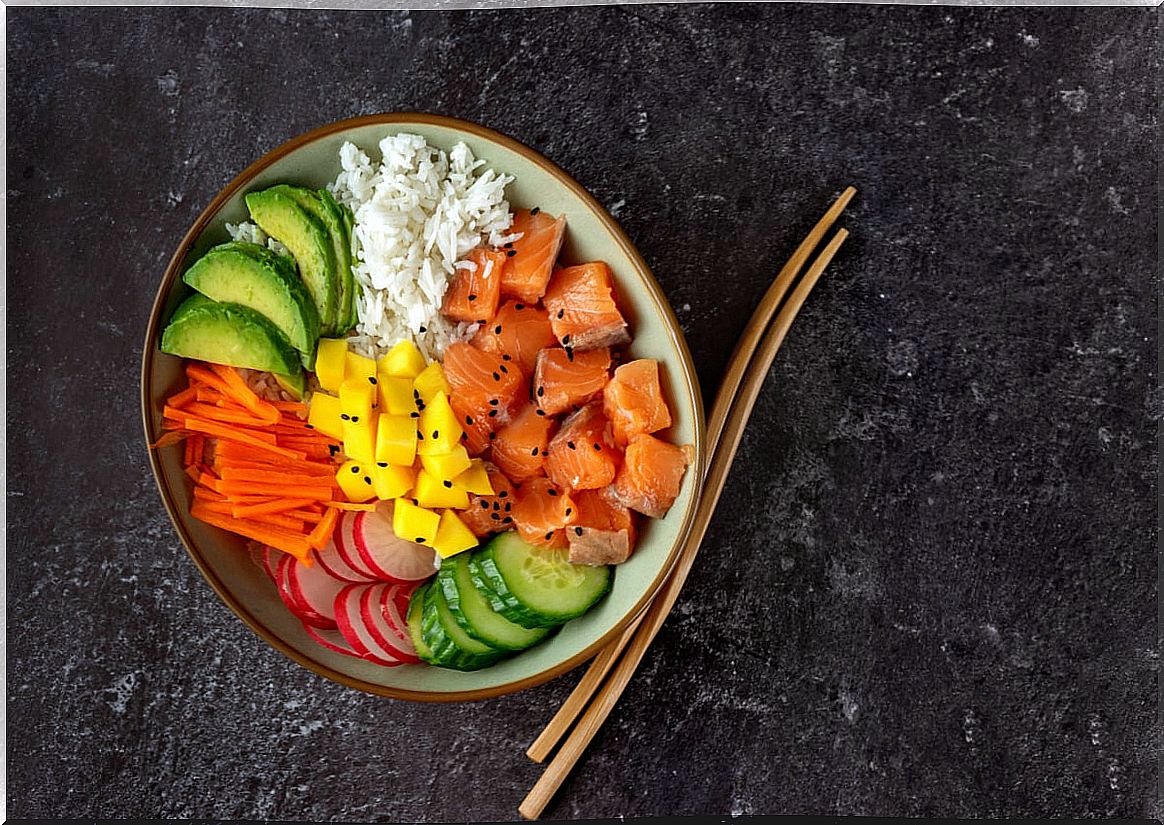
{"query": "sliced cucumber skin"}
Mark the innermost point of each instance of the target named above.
(416, 624)
(504, 589)
(473, 612)
(435, 629)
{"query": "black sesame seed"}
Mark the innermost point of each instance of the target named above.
(448, 484)
(569, 510)
(372, 380)
(420, 405)
(367, 479)
(506, 358)
(496, 506)
(381, 463)
(508, 245)
(598, 448)
(484, 505)
(503, 494)
(535, 210)
(570, 444)
(497, 330)
(492, 414)
(569, 355)
(419, 435)
(333, 448)
(495, 516)
(519, 307)
(561, 312)
(423, 328)
(436, 434)
(355, 418)
(416, 393)
(511, 253)
(577, 531)
(493, 402)
(464, 436)
(549, 535)
(504, 370)
(541, 391)
(508, 506)
(565, 340)
(472, 297)
(355, 469)
(507, 520)
(492, 436)
(414, 415)
(552, 491)
(534, 451)
(496, 377)
(309, 426)
(540, 411)
(469, 420)
(345, 417)
(420, 539)
(415, 503)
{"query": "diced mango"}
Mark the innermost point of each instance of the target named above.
(413, 523)
(356, 396)
(360, 439)
(396, 440)
(403, 360)
(439, 429)
(391, 481)
(475, 479)
(323, 413)
(447, 466)
(452, 535)
(430, 491)
(355, 480)
(357, 366)
(395, 394)
(431, 381)
(331, 363)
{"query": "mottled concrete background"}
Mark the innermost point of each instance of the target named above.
(931, 586)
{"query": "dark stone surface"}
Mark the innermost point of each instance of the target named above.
(931, 586)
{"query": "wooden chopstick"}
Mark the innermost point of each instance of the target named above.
(561, 765)
(729, 387)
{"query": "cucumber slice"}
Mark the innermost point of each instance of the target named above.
(472, 611)
(534, 586)
(451, 646)
(415, 622)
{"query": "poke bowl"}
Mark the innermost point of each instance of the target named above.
(256, 576)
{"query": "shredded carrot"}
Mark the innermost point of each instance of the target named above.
(194, 473)
(275, 505)
(275, 479)
(258, 488)
(276, 537)
(240, 392)
(235, 434)
(318, 537)
(216, 413)
(289, 406)
(180, 399)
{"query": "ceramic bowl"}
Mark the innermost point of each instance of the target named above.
(312, 159)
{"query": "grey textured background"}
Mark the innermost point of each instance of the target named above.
(931, 586)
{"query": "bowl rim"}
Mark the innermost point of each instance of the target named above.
(655, 293)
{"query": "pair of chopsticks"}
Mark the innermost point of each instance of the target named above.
(733, 406)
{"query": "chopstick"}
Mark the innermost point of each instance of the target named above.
(737, 366)
(730, 431)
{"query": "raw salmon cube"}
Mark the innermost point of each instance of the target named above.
(474, 293)
(602, 533)
(633, 401)
(583, 314)
(582, 455)
(564, 379)
(651, 474)
(519, 448)
(530, 259)
(517, 333)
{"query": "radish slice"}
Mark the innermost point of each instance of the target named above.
(345, 545)
(306, 614)
(270, 560)
(330, 560)
(351, 624)
(315, 590)
(394, 559)
(331, 639)
(397, 616)
(372, 612)
(401, 595)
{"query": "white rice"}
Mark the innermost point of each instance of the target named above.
(419, 212)
(251, 233)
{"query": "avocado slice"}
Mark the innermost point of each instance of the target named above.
(280, 216)
(231, 334)
(324, 208)
(254, 276)
(347, 278)
(294, 384)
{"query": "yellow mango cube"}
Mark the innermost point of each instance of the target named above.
(391, 481)
(452, 536)
(431, 381)
(475, 479)
(396, 440)
(356, 396)
(403, 361)
(360, 439)
(439, 429)
(357, 366)
(395, 394)
(430, 491)
(447, 466)
(413, 523)
(355, 480)
(330, 363)
(323, 413)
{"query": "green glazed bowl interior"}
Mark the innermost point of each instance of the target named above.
(312, 159)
